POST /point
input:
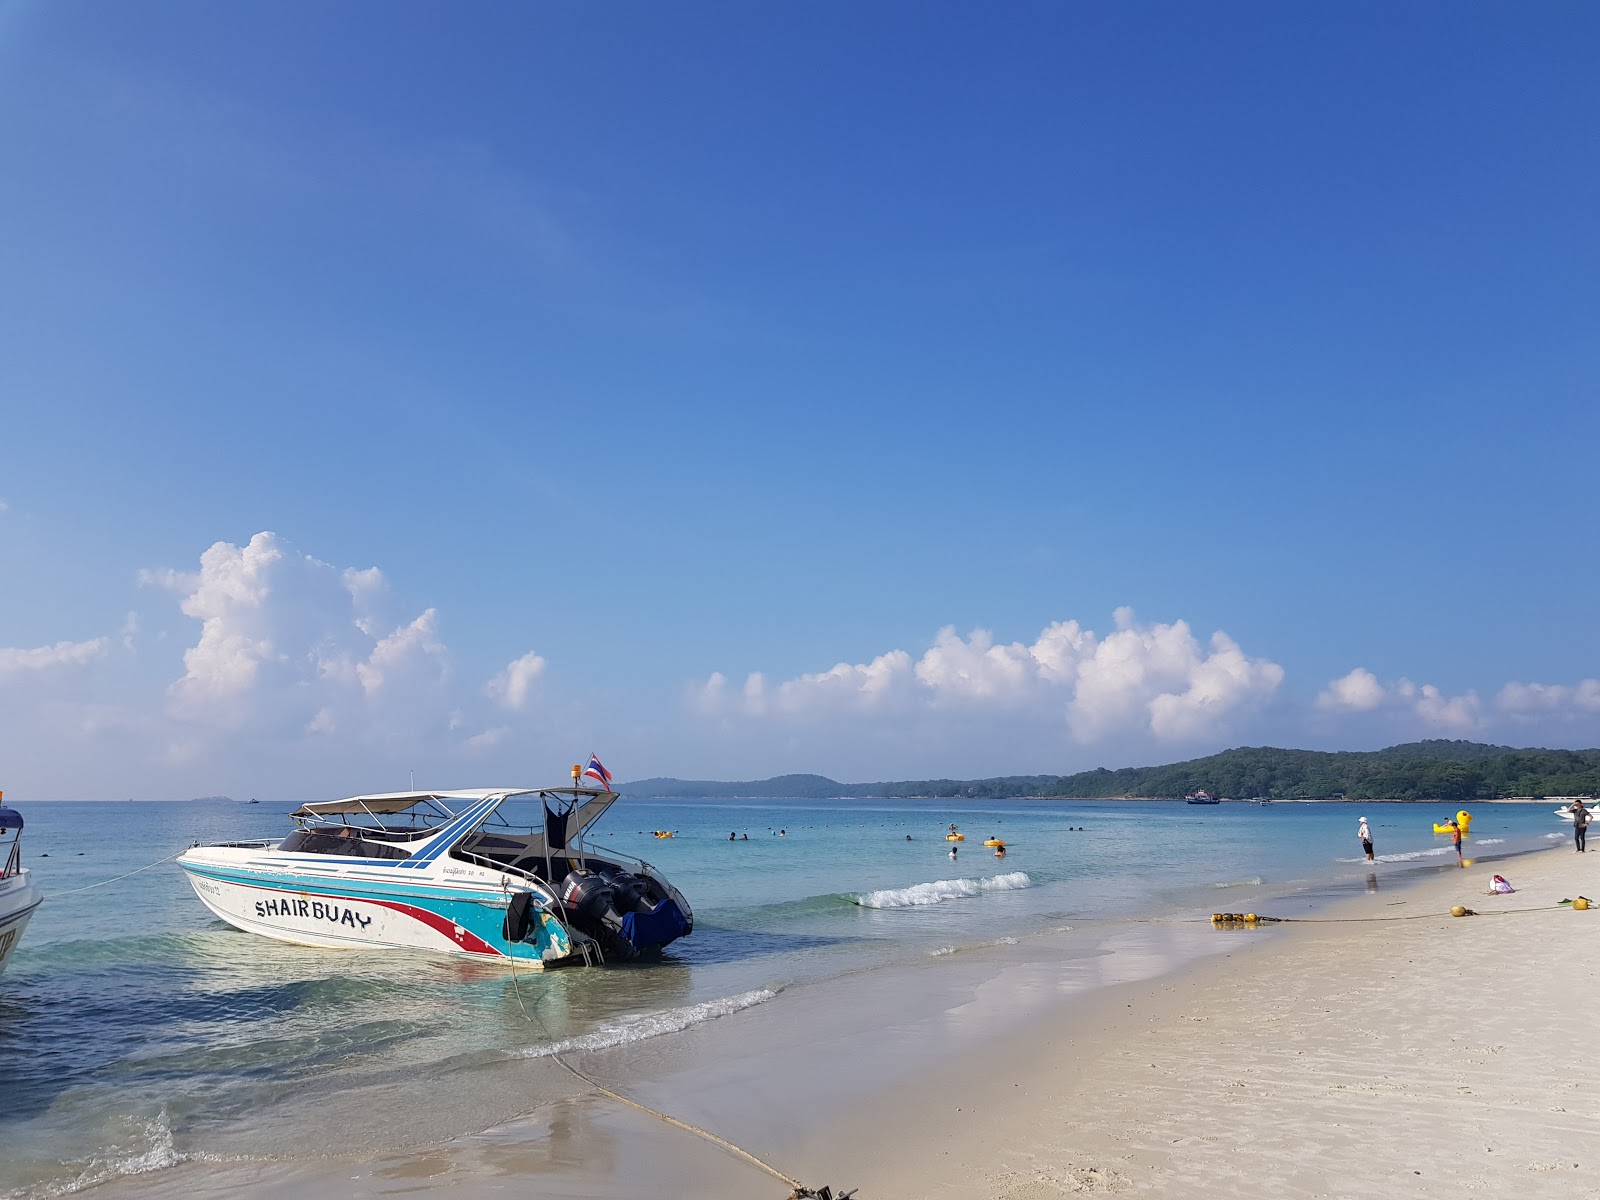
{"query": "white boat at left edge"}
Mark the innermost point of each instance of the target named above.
(19, 895)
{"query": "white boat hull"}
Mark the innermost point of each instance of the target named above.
(340, 914)
(19, 900)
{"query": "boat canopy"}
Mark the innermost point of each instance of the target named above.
(389, 802)
(10, 818)
(589, 802)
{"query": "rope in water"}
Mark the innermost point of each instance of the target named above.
(799, 1190)
(90, 887)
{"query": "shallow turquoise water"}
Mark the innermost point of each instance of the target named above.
(137, 1030)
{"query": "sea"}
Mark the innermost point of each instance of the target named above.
(138, 1032)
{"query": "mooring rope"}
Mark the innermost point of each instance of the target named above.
(90, 887)
(799, 1191)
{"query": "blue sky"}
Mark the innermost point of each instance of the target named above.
(881, 390)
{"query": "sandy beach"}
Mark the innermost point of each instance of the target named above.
(1383, 1048)
(1435, 1056)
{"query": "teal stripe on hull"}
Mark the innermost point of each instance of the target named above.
(479, 913)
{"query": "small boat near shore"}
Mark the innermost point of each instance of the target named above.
(1201, 797)
(19, 895)
(446, 871)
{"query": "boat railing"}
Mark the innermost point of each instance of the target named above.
(248, 843)
(13, 860)
(545, 890)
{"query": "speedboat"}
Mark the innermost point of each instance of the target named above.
(19, 896)
(495, 874)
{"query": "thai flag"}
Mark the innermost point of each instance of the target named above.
(596, 770)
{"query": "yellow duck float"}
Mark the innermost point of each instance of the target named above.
(1463, 819)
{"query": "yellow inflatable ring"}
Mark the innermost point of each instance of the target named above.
(955, 837)
(994, 842)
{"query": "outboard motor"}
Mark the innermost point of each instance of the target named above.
(613, 906)
(588, 897)
(629, 890)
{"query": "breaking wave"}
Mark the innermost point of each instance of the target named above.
(655, 1024)
(921, 894)
(159, 1154)
(1253, 881)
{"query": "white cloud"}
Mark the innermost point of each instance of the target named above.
(513, 687)
(1532, 700)
(1358, 691)
(488, 739)
(1361, 691)
(1457, 713)
(873, 687)
(62, 655)
(1154, 679)
(288, 642)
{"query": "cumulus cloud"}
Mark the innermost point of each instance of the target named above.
(1156, 679)
(289, 641)
(1540, 700)
(1361, 691)
(1358, 691)
(62, 655)
(513, 687)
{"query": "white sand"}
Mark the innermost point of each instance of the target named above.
(1430, 1057)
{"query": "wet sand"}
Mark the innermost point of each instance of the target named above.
(1422, 1057)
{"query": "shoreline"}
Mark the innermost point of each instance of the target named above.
(822, 1078)
(1351, 1058)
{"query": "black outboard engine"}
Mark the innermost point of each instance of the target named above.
(588, 898)
(613, 906)
(629, 890)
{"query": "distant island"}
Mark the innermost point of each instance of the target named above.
(1429, 770)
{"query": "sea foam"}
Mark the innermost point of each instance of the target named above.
(159, 1154)
(655, 1024)
(921, 894)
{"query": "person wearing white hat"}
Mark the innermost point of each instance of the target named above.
(1365, 834)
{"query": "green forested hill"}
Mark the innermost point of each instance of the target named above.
(1431, 770)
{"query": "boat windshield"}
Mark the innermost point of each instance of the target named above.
(351, 840)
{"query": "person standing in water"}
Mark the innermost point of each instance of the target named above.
(1364, 832)
(953, 851)
(1580, 823)
(1455, 836)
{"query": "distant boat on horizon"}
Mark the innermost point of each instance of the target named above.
(1201, 797)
